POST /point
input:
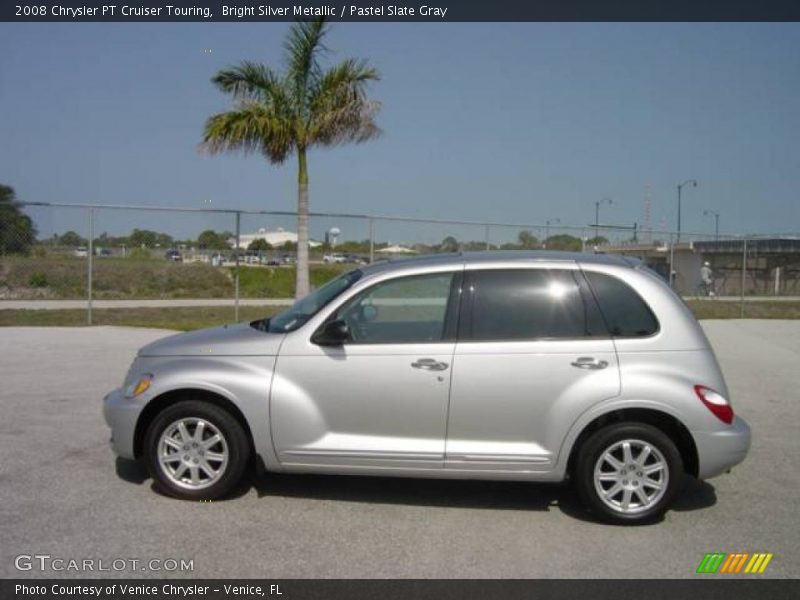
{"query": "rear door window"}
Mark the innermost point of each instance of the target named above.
(530, 304)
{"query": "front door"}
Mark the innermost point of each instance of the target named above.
(380, 399)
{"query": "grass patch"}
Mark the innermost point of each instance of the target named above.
(716, 309)
(179, 319)
(279, 282)
(116, 278)
(65, 278)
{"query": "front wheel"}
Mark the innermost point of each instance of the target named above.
(196, 450)
(628, 472)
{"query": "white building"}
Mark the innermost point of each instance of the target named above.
(275, 238)
(396, 249)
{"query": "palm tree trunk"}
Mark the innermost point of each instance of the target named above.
(303, 286)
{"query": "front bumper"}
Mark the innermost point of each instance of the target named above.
(121, 414)
(718, 451)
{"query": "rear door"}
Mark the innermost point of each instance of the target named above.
(533, 353)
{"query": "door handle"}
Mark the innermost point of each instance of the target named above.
(589, 362)
(429, 364)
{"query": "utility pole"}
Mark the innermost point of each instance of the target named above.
(693, 183)
(597, 214)
(707, 213)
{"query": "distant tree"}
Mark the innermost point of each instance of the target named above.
(527, 240)
(564, 241)
(163, 240)
(354, 247)
(289, 246)
(259, 245)
(17, 233)
(211, 240)
(473, 246)
(71, 240)
(598, 240)
(510, 246)
(449, 244)
(143, 238)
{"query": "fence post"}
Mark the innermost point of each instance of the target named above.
(487, 237)
(371, 240)
(744, 274)
(236, 284)
(90, 268)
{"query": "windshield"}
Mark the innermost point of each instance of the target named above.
(305, 308)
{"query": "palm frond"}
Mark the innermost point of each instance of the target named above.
(252, 127)
(250, 80)
(302, 47)
(340, 111)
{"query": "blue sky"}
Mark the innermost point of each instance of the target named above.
(520, 122)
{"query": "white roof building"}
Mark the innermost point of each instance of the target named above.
(275, 238)
(396, 249)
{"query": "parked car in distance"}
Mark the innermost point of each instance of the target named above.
(542, 366)
(354, 259)
(81, 251)
(173, 255)
(334, 259)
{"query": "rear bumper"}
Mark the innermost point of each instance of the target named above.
(718, 451)
(121, 414)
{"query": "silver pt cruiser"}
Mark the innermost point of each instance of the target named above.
(516, 366)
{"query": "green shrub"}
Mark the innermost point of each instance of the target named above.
(38, 280)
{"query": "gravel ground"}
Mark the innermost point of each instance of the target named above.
(62, 492)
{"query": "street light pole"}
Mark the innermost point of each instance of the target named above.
(597, 214)
(716, 221)
(680, 187)
(547, 230)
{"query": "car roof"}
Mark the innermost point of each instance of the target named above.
(460, 258)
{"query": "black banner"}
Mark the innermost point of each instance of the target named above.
(436, 11)
(710, 588)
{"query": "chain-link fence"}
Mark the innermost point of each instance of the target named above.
(225, 262)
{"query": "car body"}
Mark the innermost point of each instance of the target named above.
(334, 259)
(81, 252)
(173, 255)
(534, 366)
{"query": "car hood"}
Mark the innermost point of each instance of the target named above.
(229, 340)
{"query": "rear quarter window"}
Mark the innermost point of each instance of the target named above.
(624, 310)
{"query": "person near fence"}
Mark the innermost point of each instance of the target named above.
(707, 279)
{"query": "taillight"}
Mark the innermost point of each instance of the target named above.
(715, 402)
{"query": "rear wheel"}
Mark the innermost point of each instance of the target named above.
(196, 450)
(628, 472)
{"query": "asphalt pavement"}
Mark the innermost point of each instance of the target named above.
(63, 494)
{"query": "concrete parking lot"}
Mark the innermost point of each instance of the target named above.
(63, 494)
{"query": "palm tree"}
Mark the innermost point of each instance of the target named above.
(282, 114)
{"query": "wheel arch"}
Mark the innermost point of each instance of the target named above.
(167, 399)
(668, 424)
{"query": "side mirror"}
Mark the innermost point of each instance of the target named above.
(332, 333)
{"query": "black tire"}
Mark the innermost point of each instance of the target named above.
(598, 444)
(235, 445)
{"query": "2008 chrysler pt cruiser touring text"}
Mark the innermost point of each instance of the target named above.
(518, 366)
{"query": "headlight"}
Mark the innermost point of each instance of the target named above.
(139, 386)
